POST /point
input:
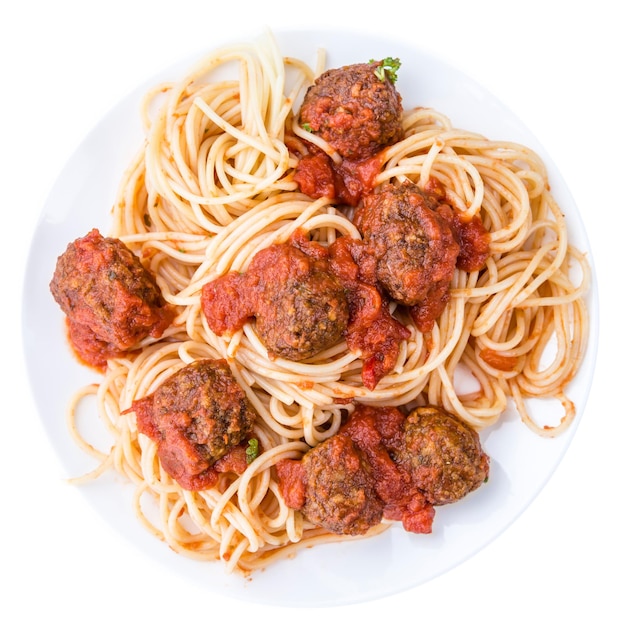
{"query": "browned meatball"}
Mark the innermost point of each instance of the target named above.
(443, 455)
(299, 305)
(340, 491)
(303, 310)
(356, 109)
(412, 243)
(110, 299)
(196, 416)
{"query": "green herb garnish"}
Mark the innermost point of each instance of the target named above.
(252, 450)
(387, 69)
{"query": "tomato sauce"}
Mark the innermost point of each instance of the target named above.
(372, 332)
(503, 362)
(319, 176)
(474, 240)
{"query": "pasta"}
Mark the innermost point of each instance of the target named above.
(212, 185)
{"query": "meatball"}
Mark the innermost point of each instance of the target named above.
(299, 305)
(356, 109)
(340, 491)
(301, 311)
(412, 243)
(110, 299)
(195, 417)
(443, 455)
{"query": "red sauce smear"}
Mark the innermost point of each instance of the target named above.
(319, 176)
(503, 362)
(372, 332)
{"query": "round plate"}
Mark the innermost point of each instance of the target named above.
(338, 573)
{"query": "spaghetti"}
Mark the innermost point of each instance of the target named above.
(212, 185)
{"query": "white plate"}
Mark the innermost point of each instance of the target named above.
(342, 573)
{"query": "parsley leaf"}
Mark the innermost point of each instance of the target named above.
(387, 69)
(252, 450)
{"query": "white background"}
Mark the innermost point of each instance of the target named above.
(65, 64)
